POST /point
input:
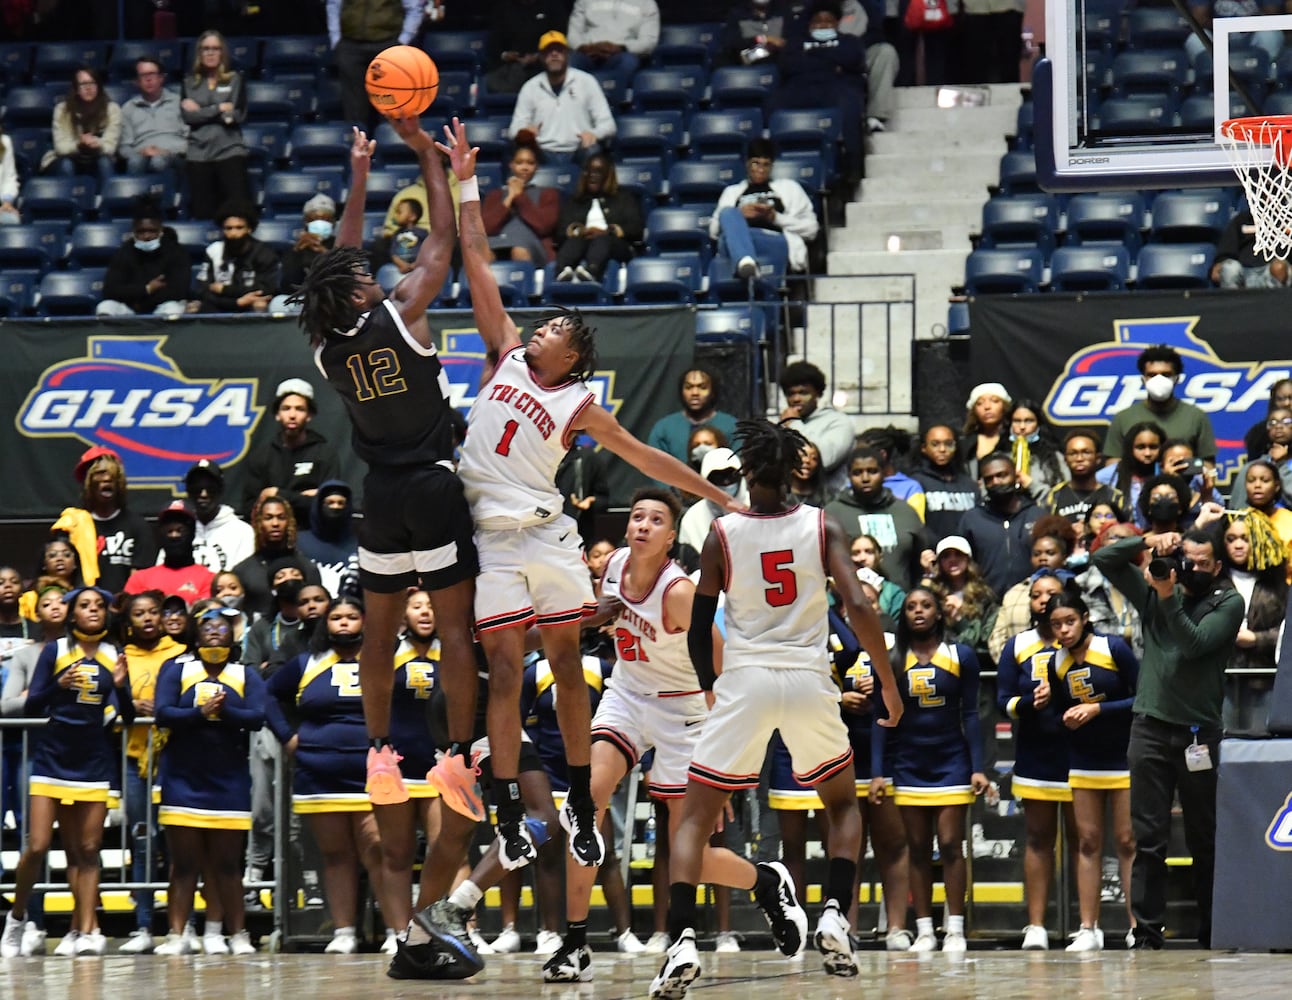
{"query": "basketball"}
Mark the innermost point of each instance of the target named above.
(402, 81)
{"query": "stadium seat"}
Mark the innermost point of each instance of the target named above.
(1160, 72)
(1025, 126)
(725, 286)
(93, 243)
(1277, 103)
(286, 192)
(117, 199)
(1134, 115)
(958, 317)
(457, 51)
(383, 185)
(805, 131)
(703, 180)
(742, 86)
(645, 176)
(1101, 30)
(15, 62)
(195, 236)
(724, 133)
(686, 44)
(30, 106)
(990, 272)
(1018, 173)
(1105, 218)
(29, 145)
(490, 134)
(280, 234)
(1155, 28)
(614, 84)
(1020, 221)
(1189, 217)
(1175, 265)
(280, 100)
(266, 142)
(494, 104)
(319, 146)
(288, 54)
(169, 52)
(391, 150)
(244, 53)
(808, 169)
(727, 323)
(1089, 269)
(1098, 71)
(374, 225)
(562, 176)
(21, 247)
(678, 230)
(1250, 65)
(17, 291)
(57, 61)
(580, 293)
(516, 283)
(650, 133)
(453, 97)
(662, 280)
(70, 293)
(668, 88)
(327, 99)
(69, 199)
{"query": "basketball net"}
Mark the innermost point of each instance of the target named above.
(1260, 151)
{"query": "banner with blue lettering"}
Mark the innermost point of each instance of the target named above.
(1076, 354)
(165, 394)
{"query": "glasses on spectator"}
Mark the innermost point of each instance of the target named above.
(210, 48)
(87, 83)
(173, 612)
(1279, 422)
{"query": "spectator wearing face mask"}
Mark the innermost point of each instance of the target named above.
(318, 238)
(179, 574)
(149, 273)
(330, 541)
(1161, 370)
(721, 467)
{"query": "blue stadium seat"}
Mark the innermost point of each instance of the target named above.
(1189, 217)
(457, 51)
(29, 145)
(280, 100)
(30, 106)
(659, 280)
(286, 191)
(17, 291)
(266, 142)
(1161, 72)
(1110, 217)
(993, 271)
(1091, 268)
(1251, 65)
(958, 317)
(1155, 28)
(15, 62)
(117, 199)
(490, 134)
(383, 185)
(742, 86)
(169, 52)
(391, 150)
(1134, 115)
(374, 225)
(327, 99)
(53, 235)
(808, 169)
(244, 53)
(1277, 103)
(1025, 126)
(453, 96)
(614, 84)
(1197, 112)
(195, 235)
(516, 283)
(1102, 28)
(494, 104)
(57, 61)
(727, 323)
(280, 234)
(562, 176)
(319, 145)
(807, 131)
(287, 54)
(668, 88)
(686, 44)
(70, 293)
(701, 180)
(1175, 265)
(1020, 221)
(94, 243)
(724, 133)
(70, 199)
(1018, 173)
(118, 92)
(580, 293)
(21, 247)
(645, 176)
(650, 133)
(725, 286)
(678, 230)
(1098, 67)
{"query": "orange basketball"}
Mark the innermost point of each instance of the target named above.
(402, 81)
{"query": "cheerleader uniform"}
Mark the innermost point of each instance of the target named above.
(205, 771)
(937, 747)
(1040, 747)
(416, 677)
(332, 741)
(543, 741)
(1109, 676)
(72, 756)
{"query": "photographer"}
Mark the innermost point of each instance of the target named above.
(1191, 617)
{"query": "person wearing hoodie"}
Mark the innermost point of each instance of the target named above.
(891, 442)
(239, 273)
(331, 542)
(948, 490)
(721, 466)
(803, 385)
(275, 528)
(223, 539)
(149, 273)
(296, 459)
(1000, 527)
(867, 507)
(179, 573)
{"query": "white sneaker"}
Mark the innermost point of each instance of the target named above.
(747, 268)
(898, 939)
(91, 945)
(214, 944)
(67, 947)
(1130, 939)
(630, 944)
(781, 909)
(567, 274)
(1087, 939)
(954, 943)
(343, 942)
(508, 942)
(33, 940)
(478, 942)
(925, 942)
(874, 124)
(11, 940)
(583, 274)
(832, 942)
(656, 944)
(586, 845)
(680, 969)
(727, 943)
(192, 940)
(140, 942)
(1036, 938)
(547, 943)
(175, 944)
(240, 944)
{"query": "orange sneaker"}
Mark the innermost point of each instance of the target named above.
(458, 784)
(385, 785)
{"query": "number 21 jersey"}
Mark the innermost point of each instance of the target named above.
(776, 610)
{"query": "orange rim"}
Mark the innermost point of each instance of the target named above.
(1262, 131)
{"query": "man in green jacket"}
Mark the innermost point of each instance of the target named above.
(1191, 615)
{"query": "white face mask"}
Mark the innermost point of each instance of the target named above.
(1160, 388)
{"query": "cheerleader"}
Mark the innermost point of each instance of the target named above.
(82, 687)
(1092, 679)
(936, 760)
(209, 702)
(331, 747)
(1040, 779)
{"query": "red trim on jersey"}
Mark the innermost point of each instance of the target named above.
(726, 553)
(653, 584)
(677, 694)
(823, 772)
(605, 734)
(504, 620)
(663, 604)
(566, 439)
(546, 388)
(717, 779)
(666, 791)
(779, 513)
(566, 617)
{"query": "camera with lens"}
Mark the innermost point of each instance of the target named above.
(1159, 568)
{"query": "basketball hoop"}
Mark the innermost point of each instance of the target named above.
(1260, 151)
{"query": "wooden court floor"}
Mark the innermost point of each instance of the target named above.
(1175, 974)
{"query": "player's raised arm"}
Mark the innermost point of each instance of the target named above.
(418, 288)
(349, 231)
(704, 606)
(495, 326)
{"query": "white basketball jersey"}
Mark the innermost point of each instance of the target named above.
(649, 660)
(517, 433)
(776, 610)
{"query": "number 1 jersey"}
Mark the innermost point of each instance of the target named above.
(517, 433)
(776, 610)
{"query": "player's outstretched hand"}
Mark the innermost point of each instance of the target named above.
(361, 151)
(411, 131)
(735, 506)
(461, 154)
(892, 702)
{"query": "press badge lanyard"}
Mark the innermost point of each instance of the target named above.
(1197, 756)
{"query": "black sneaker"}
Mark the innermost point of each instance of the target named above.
(780, 906)
(570, 964)
(446, 926)
(429, 961)
(449, 918)
(1148, 938)
(515, 845)
(586, 845)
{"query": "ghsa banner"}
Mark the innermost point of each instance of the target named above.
(1076, 354)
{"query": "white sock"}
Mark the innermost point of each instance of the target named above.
(466, 896)
(343, 932)
(923, 925)
(214, 928)
(956, 925)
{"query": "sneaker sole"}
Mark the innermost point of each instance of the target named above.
(557, 976)
(674, 987)
(463, 955)
(465, 802)
(784, 944)
(837, 958)
(443, 966)
(386, 790)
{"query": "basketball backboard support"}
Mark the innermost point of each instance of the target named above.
(1118, 110)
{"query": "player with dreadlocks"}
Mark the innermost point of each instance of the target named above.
(532, 404)
(772, 561)
(379, 355)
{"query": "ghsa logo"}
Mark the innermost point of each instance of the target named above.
(128, 396)
(1101, 380)
(1279, 834)
(463, 358)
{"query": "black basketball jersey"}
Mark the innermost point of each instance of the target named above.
(395, 390)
